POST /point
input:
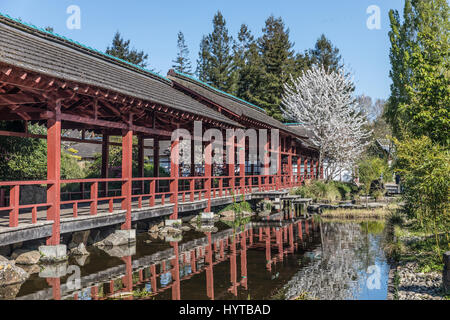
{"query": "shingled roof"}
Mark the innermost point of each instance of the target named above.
(37, 50)
(229, 102)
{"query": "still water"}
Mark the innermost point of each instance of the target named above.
(258, 260)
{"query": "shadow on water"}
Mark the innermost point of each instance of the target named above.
(274, 258)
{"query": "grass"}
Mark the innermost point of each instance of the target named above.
(355, 213)
(410, 244)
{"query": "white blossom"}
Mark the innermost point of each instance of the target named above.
(323, 102)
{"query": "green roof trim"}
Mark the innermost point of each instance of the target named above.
(32, 26)
(218, 90)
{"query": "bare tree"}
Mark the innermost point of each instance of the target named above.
(323, 101)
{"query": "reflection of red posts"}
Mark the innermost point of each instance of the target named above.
(209, 269)
(94, 292)
(174, 174)
(300, 230)
(291, 238)
(307, 227)
(222, 252)
(251, 236)
(193, 262)
(244, 261)
(55, 283)
(127, 279)
(233, 268)
(268, 250)
(153, 278)
(111, 287)
(175, 272)
(260, 234)
(279, 240)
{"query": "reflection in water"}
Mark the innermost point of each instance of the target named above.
(338, 270)
(256, 261)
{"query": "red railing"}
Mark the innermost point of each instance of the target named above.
(153, 191)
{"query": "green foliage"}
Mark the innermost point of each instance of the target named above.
(318, 190)
(26, 159)
(425, 170)
(215, 64)
(182, 62)
(325, 54)
(370, 170)
(420, 92)
(120, 48)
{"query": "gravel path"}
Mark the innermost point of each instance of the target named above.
(418, 286)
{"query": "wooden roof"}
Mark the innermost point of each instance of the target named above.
(36, 50)
(237, 106)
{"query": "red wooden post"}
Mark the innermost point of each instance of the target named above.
(311, 164)
(141, 162)
(290, 170)
(279, 165)
(174, 175)
(231, 161)
(305, 169)
(94, 198)
(208, 173)
(127, 174)
(34, 215)
(54, 173)
(299, 167)
(156, 162)
(75, 209)
(266, 163)
(241, 154)
(152, 192)
(14, 198)
(105, 162)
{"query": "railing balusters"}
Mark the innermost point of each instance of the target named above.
(14, 203)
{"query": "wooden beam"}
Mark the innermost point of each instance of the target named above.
(17, 99)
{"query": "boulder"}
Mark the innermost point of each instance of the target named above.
(114, 239)
(185, 228)
(80, 250)
(11, 274)
(10, 292)
(28, 258)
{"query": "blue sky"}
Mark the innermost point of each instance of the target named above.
(152, 26)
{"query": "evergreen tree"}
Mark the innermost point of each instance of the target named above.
(325, 54)
(420, 91)
(279, 62)
(249, 67)
(121, 49)
(182, 63)
(215, 63)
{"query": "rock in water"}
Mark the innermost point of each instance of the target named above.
(115, 239)
(11, 274)
(29, 258)
(80, 250)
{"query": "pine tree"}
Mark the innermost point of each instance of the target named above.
(182, 63)
(215, 64)
(121, 49)
(249, 67)
(278, 59)
(325, 54)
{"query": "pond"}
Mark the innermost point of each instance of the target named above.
(262, 259)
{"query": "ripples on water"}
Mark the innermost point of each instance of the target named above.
(260, 260)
